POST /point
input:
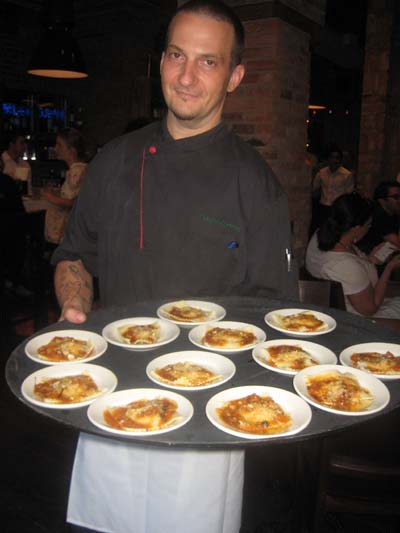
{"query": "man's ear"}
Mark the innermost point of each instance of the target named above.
(236, 78)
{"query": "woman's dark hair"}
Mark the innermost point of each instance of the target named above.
(348, 211)
(74, 139)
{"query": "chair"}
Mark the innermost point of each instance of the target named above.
(360, 473)
(322, 292)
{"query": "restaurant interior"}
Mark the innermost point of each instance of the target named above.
(319, 73)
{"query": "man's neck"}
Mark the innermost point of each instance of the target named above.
(180, 129)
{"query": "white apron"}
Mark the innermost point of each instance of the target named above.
(124, 488)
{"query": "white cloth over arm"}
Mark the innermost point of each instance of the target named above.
(120, 487)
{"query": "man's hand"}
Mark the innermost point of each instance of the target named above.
(73, 312)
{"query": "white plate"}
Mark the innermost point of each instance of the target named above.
(217, 312)
(271, 321)
(211, 361)
(290, 403)
(168, 332)
(322, 355)
(196, 334)
(100, 345)
(380, 347)
(376, 387)
(104, 379)
(95, 411)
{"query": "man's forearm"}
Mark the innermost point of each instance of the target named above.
(73, 285)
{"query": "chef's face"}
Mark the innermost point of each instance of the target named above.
(196, 73)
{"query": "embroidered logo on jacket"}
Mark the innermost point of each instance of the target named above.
(212, 220)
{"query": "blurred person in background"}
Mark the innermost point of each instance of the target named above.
(333, 254)
(329, 183)
(385, 218)
(72, 149)
(12, 235)
(13, 163)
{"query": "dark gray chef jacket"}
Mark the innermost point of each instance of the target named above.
(201, 216)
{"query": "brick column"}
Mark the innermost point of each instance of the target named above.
(270, 109)
(375, 96)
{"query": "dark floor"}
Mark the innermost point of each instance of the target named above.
(38, 455)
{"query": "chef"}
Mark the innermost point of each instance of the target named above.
(179, 208)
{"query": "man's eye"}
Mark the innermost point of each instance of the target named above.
(210, 62)
(175, 55)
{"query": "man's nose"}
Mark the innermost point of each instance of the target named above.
(188, 75)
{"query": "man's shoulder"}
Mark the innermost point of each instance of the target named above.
(133, 139)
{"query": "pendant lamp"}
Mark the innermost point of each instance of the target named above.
(58, 54)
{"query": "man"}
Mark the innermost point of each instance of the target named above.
(385, 218)
(329, 183)
(14, 165)
(175, 209)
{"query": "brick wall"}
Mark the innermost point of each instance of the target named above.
(376, 111)
(270, 109)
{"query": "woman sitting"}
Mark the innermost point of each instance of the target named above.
(70, 148)
(332, 254)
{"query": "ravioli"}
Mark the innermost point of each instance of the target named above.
(143, 415)
(65, 349)
(256, 414)
(289, 357)
(339, 391)
(182, 312)
(66, 389)
(377, 363)
(228, 338)
(185, 374)
(140, 334)
(304, 322)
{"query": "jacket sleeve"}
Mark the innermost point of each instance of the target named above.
(81, 231)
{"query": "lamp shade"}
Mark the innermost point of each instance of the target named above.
(58, 55)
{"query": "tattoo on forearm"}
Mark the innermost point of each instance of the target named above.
(73, 282)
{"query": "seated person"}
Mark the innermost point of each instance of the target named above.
(385, 217)
(332, 255)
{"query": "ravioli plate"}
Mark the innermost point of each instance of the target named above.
(294, 406)
(378, 390)
(272, 319)
(104, 379)
(320, 354)
(218, 364)
(168, 332)
(120, 398)
(99, 345)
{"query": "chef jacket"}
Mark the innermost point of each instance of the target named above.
(158, 217)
